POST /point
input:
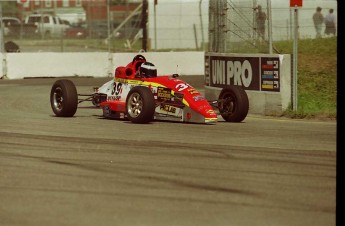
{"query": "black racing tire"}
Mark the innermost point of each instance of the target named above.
(233, 104)
(140, 105)
(64, 98)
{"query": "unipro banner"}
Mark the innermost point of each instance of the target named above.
(252, 73)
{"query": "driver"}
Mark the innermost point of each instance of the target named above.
(147, 70)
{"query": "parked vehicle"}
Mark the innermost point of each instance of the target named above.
(9, 22)
(47, 25)
(77, 31)
(5, 30)
(14, 27)
(137, 94)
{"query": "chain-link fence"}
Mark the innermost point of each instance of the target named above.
(234, 26)
(72, 25)
(116, 25)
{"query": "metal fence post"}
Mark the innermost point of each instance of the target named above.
(2, 48)
(270, 35)
(144, 24)
(1, 31)
(295, 52)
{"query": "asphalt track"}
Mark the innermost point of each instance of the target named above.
(87, 170)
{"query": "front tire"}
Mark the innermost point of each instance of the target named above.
(64, 98)
(233, 104)
(140, 105)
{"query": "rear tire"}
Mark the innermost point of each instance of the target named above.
(233, 104)
(140, 105)
(64, 98)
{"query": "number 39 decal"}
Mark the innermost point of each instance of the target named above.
(117, 89)
(181, 87)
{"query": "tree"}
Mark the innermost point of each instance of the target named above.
(9, 8)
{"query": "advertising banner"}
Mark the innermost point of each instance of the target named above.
(252, 73)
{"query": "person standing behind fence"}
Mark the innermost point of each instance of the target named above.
(261, 22)
(318, 21)
(330, 23)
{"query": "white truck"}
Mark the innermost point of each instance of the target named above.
(47, 25)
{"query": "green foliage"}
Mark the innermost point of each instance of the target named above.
(317, 77)
(9, 8)
(327, 46)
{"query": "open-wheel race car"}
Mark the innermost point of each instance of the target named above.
(136, 93)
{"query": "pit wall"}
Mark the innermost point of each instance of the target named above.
(265, 77)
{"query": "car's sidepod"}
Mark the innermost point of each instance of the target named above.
(198, 108)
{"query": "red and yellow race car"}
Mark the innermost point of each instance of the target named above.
(136, 93)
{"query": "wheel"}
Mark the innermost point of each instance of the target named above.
(64, 98)
(140, 105)
(233, 104)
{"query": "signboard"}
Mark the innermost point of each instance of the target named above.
(252, 73)
(296, 3)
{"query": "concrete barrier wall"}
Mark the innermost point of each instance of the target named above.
(265, 77)
(98, 64)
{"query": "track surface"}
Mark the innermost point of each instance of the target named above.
(87, 170)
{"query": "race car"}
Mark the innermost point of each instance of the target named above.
(137, 94)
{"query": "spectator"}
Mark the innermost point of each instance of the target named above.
(330, 23)
(261, 22)
(318, 20)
